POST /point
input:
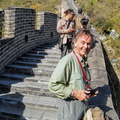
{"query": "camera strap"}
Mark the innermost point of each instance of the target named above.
(83, 70)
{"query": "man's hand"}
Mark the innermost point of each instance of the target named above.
(95, 94)
(71, 30)
(80, 94)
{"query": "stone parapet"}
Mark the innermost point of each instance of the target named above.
(100, 79)
(21, 33)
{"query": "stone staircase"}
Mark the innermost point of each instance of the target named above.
(23, 86)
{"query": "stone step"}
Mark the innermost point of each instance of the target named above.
(30, 88)
(31, 113)
(10, 76)
(48, 47)
(43, 71)
(43, 47)
(5, 85)
(24, 93)
(11, 112)
(45, 52)
(26, 78)
(42, 56)
(35, 59)
(27, 70)
(54, 44)
(34, 64)
(28, 100)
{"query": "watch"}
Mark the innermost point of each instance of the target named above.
(72, 93)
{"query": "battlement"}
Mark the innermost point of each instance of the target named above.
(22, 30)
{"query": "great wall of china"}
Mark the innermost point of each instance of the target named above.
(28, 56)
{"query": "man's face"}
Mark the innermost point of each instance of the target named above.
(71, 15)
(83, 45)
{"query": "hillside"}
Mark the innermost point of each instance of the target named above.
(104, 14)
(39, 5)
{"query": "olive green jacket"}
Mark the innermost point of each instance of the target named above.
(67, 76)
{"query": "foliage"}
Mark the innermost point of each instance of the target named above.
(38, 5)
(114, 44)
(104, 14)
(52, 6)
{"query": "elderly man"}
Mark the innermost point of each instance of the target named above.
(71, 79)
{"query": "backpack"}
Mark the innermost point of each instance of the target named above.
(95, 113)
(78, 20)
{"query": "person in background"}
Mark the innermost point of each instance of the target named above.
(81, 20)
(70, 80)
(65, 27)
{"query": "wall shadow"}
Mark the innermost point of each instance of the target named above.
(12, 106)
(113, 82)
(103, 101)
(94, 43)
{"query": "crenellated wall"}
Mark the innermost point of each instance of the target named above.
(24, 32)
(46, 23)
(19, 21)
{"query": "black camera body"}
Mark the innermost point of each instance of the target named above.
(92, 92)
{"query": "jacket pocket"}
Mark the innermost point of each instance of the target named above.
(79, 82)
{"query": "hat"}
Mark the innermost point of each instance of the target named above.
(68, 11)
(65, 11)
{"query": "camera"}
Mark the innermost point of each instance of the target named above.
(92, 92)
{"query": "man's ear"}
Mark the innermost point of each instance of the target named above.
(75, 44)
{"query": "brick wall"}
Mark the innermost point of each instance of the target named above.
(47, 22)
(21, 33)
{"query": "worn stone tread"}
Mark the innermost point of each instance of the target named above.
(31, 88)
(35, 59)
(24, 86)
(27, 113)
(34, 64)
(11, 110)
(47, 52)
(13, 76)
(28, 100)
(28, 70)
(48, 47)
(42, 55)
(40, 114)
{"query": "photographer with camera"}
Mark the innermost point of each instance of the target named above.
(71, 79)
